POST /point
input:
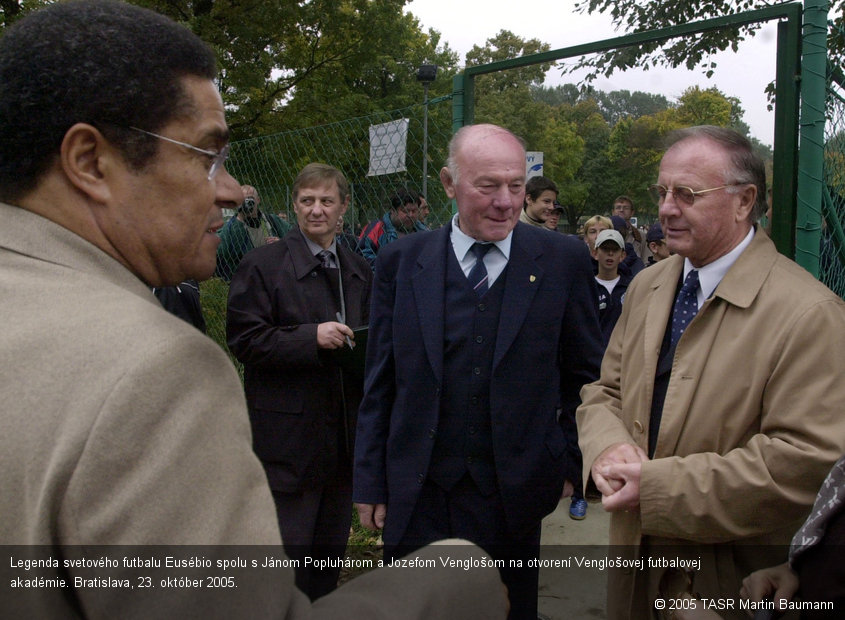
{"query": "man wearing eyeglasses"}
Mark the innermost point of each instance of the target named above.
(623, 206)
(123, 425)
(718, 409)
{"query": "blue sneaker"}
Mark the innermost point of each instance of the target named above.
(578, 509)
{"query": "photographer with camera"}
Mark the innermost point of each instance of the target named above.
(249, 229)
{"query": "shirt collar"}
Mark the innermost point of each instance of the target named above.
(315, 248)
(463, 242)
(711, 274)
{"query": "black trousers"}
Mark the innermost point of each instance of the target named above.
(463, 512)
(315, 523)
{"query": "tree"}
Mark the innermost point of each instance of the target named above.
(614, 106)
(690, 51)
(287, 64)
(12, 10)
(504, 97)
(703, 107)
(589, 194)
(619, 104)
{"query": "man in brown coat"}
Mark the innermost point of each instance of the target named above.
(718, 410)
(122, 424)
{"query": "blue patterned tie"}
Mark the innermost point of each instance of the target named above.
(478, 275)
(686, 306)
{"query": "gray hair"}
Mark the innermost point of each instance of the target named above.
(747, 168)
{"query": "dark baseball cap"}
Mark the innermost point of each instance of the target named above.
(655, 233)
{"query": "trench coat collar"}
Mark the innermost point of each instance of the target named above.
(304, 262)
(739, 287)
(745, 278)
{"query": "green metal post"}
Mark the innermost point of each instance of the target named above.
(785, 164)
(811, 161)
(457, 102)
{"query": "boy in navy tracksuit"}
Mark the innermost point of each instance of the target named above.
(610, 252)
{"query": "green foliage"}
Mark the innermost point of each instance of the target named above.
(504, 97)
(12, 10)
(620, 142)
(689, 51)
(703, 107)
(288, 65)
(213, 298)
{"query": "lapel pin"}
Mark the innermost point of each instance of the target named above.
(532, 278)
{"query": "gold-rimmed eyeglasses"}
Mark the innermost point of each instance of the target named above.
(684, 195)
(218, 158)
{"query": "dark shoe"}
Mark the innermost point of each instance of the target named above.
(578, 509)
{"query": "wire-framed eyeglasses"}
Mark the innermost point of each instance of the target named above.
(684, 195)
(218, 158)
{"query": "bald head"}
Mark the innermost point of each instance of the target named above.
(485, 175)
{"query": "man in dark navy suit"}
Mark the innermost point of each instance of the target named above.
(479, 331)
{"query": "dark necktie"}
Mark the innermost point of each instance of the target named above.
(478, 275)
(686, 306)
(325, 259)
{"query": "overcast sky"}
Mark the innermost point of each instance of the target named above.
(745, 74)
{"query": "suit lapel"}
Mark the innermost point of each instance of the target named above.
(428, 285)
(523, 276)
(300, 255)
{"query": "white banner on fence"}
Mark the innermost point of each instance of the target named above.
(388, 143)
(533, 164)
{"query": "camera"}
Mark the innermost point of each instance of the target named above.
(248, 204)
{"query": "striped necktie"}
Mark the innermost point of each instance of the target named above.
(478, 275)
(325, 259)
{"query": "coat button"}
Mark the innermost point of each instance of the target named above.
(420, 478)
(638, 427)
(431, 433)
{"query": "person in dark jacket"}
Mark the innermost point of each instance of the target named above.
(612, 283)
(292, 307)
(183, 300)
(249, 229)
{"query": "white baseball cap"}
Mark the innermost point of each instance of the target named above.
(610, 235)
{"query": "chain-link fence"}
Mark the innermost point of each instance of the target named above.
(832, 256)
(403, 142)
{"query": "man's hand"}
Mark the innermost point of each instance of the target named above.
(616, 473)
(372, 516)
(627, 497)
(333, 335)
(776, 582)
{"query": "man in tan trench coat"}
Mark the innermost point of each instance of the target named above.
(122, 424)
(718, 436)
